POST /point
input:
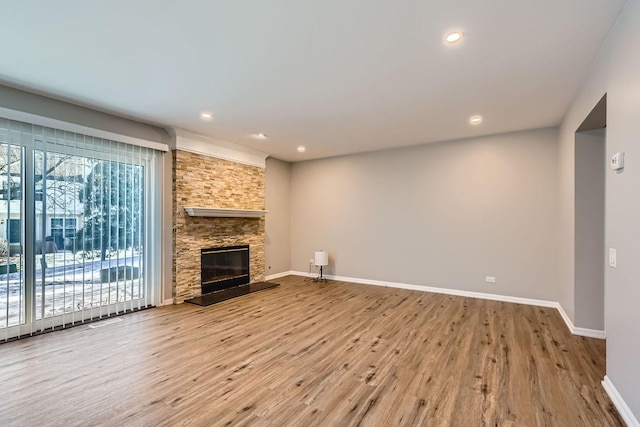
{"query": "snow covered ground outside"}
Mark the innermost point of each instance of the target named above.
(66, 286)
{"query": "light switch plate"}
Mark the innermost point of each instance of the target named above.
(612, 258)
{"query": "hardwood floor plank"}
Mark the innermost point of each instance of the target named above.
(309, 354)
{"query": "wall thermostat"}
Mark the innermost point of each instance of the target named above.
(617, 161)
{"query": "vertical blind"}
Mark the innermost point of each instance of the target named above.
(79, 227)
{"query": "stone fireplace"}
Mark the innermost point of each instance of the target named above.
(209, 182)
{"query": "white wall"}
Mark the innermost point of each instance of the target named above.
(616, 72)
(445, 214)
(589, 230)
(278, 219)
(31, 103)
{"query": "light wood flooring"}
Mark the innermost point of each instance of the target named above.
(308, 354)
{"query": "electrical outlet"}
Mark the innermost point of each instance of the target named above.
(490, 279)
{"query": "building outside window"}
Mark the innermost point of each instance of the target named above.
(63, 232)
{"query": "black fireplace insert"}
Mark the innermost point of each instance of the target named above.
(223, 268)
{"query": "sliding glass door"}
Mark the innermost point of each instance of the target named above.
(75, 215)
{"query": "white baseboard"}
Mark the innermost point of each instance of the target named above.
(167, 302)
(446, 291)
(583, 332)
(620, 404)
(279, 275)
(591, 333)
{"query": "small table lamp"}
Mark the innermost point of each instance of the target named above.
(321, 259)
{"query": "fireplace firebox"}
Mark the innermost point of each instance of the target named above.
(223, 268)
(225, 275)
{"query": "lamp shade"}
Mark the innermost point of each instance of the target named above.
(321, 258)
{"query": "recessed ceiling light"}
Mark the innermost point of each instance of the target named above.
(475, 120)
(260, 136)
(454, 37)
(206, 116)
(301, 149)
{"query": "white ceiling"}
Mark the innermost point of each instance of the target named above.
(336, 76)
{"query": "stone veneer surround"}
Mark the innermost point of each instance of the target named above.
(209, 182)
